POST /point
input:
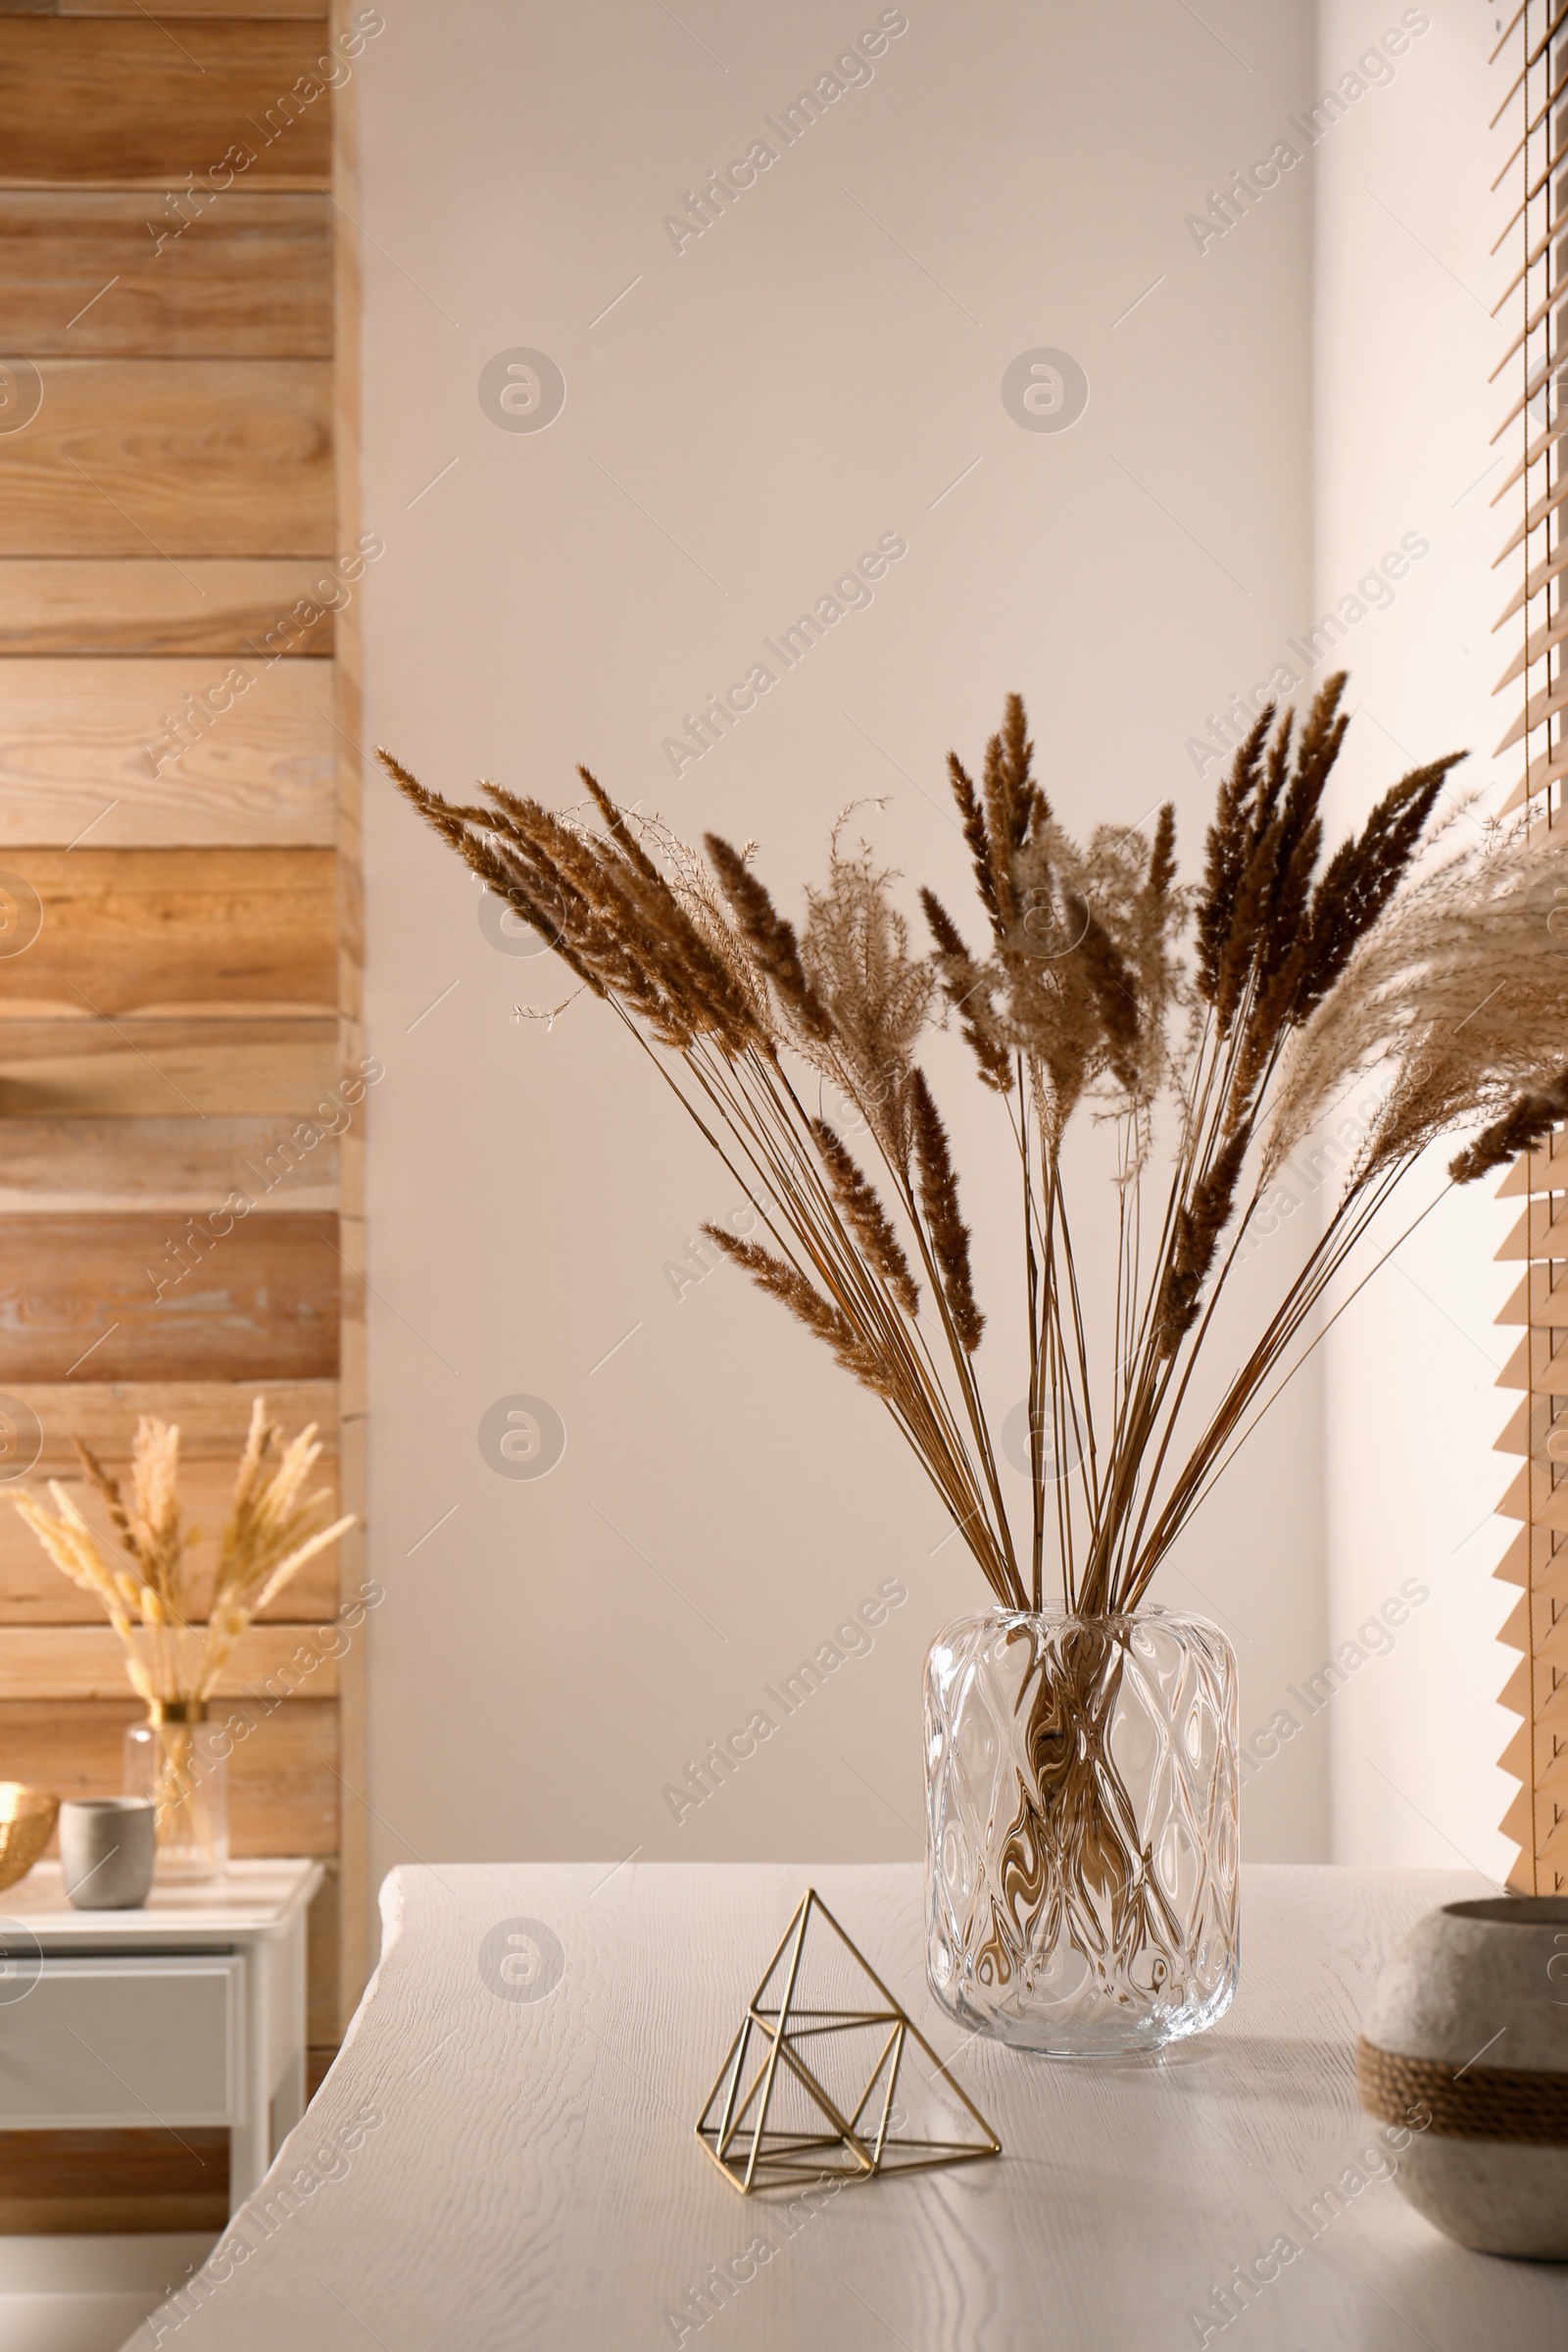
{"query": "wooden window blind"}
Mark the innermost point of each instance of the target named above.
(1530, 65)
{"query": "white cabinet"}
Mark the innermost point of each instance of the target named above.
(190, 2011)
(126, 2041)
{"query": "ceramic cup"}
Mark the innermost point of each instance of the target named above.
(1467, 2048)
(107, 1847)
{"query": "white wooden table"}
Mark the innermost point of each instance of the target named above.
(502, 2157)
(189, 2011)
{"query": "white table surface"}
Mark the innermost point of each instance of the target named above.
(252, 1899)
(531, 2177)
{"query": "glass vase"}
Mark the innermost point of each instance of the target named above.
(1082, 1833)
(181, 1760)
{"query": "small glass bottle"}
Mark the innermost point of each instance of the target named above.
(181, 1760)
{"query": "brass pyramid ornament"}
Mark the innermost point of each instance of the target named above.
(788, 2124)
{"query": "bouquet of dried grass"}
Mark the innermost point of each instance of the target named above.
(1228, 1015)
(173, 1653)
(178, 1629)
(1249, 1002)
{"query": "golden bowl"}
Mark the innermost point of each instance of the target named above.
(26, 1818)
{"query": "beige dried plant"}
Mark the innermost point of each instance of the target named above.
(1226, 1017)
(178, 1628)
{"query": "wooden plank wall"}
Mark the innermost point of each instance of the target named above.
(180, 889)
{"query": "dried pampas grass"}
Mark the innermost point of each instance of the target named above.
(1461, 990)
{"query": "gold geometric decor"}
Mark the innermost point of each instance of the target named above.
(772, 2135)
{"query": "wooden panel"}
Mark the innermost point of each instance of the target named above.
(68, 1167)
(175, 497)
(135, 1069)
(65, 2183)
(96, 101)
(358, 1899)
(141, 605)
(83, 274)
(158, 932)
(213, 1414)
(172, 457)
(178, 10)
(263, 1304)
(69, 1662)
(282, 1779)
(88, 745)
(322, 1930)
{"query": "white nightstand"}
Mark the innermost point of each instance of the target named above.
(190, 2011)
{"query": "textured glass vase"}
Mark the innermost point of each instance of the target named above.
(1081, 1828)
(180, 1761)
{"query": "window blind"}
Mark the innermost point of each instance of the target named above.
(1529, 69)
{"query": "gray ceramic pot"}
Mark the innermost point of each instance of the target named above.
(1467, 2047)
(107, 1848)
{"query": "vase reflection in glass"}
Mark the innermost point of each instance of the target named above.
(181, 1760)
(1082, 1828)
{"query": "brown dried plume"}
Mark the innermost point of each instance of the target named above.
(783, 1282)
(768, 935)
(1531, 1118)
(867, 1218)
(939, 1198)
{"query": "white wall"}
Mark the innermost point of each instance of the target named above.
(1403, 421)
(817, 370)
